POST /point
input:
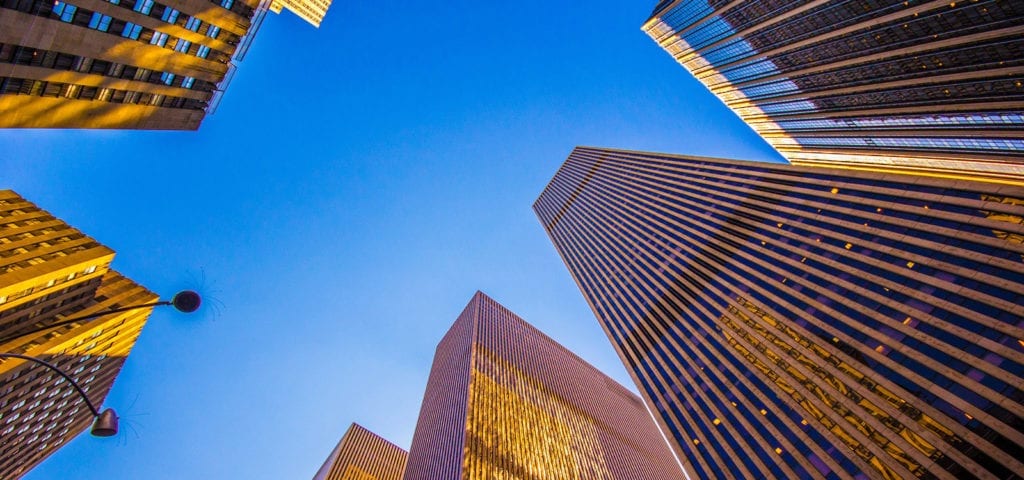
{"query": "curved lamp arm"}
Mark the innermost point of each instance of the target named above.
(106, 421)
(185, 301)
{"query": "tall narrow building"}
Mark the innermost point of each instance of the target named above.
(931, 87)
(132, 64)
(363, 455)
(505, 401)
(50, 272)
(806, 322)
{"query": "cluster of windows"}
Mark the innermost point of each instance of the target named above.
(39, 411)
(997, 145)
(985, 119)
(998, 54)
(70, 13)
(935, 25)
(20, 55)
(175, 17)
(25, 86)
(982, 90)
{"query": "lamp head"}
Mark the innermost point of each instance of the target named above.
(186, 301)
(105, 424)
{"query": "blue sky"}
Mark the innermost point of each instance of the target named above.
(356, 186)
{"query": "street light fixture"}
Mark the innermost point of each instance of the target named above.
(105, 423)
(185, 301)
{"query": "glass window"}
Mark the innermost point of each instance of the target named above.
(144, 6)
(193, 23)
(227, 3)
(131, 31)
(182, 45)
(100, 22)
(213, 31)
(159, 39)
(64, 11)
(187, 82)
(167, 78)
(203, 51)
(170, 15)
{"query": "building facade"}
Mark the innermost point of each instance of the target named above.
(805, 322)
(505, 401)
(132, 64)
(363, 455)
(312, 11)
(932, 87)
(50, 272)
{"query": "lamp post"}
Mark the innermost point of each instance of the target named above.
(105, 423)
(185, 301)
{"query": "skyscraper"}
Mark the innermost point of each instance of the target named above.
(135, 64)
(793, 322)
(505, 401)
(50, 272)
(363, 455)
(932, 87)
(312, 11)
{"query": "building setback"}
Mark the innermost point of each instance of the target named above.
(312, 11)
(796, 322)
(505, 401)
(363, 455)
(931, 87)
(132, 64)
(50, 272)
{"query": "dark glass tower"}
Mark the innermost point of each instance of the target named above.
(933, 87)
(806, 322)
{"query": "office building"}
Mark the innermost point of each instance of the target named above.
(131, 64)
(505, 401)
(50, 272)
(805, 322)
(930, 87)
(363, 455)
(312, 11)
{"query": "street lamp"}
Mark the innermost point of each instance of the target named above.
(185, 301)
(105, 423)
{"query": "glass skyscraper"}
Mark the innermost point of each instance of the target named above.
(805, 322)
(930, 87)
(505, 401)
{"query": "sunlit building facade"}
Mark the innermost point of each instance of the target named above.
(131, 64)
(312, 11)
(805, 322)
(363, 455)
(932, 87)
(505, 401)
(50, 272)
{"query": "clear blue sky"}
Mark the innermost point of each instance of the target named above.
(356, 186)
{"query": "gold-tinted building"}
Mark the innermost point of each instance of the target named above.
(805, 322)
(931, 87)
(133, 64)
(363, 455)
(50, 272)
(505, 401)
(312, 11)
